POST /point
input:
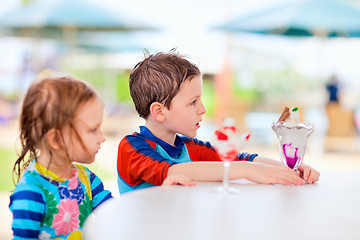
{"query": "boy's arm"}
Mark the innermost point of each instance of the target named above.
(267, 160)
(255, 172)
(308, 173)
(138, 161)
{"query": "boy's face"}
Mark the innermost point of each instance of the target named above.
(186, 109)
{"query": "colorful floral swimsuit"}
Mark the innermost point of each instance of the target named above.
(45, 206)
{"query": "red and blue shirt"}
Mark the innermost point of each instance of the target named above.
(143, 159)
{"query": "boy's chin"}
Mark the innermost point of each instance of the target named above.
(190, 135)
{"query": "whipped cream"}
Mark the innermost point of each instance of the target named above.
(294, 118)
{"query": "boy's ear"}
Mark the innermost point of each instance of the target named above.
(156, 111)
(53, 138)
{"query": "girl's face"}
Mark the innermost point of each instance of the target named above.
(87, 122)
(186, 110)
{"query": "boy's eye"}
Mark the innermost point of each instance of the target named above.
(193, 102)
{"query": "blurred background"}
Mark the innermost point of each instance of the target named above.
(256, 58)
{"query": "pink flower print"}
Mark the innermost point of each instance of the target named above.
(66, 220)
(74, 180)
(44, 236)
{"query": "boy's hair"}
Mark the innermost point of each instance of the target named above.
(51, 103)
(158, 79)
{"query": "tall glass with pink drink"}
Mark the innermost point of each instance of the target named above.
(293, 136)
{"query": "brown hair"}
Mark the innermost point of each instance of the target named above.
(48, 104)
(158, 79)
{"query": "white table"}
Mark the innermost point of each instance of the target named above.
(329, 209)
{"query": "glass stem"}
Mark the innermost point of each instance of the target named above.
(226, 176)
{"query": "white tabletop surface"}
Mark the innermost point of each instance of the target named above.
(329, 209)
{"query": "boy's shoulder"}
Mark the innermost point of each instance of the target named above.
(135, 136)
(135, 140)
(195, 141)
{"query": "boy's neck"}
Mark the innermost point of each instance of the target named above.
(159, 131)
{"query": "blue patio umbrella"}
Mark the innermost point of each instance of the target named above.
(83, 15)
(325, 18)
(59, 18)
(66, 19)
(108, 41)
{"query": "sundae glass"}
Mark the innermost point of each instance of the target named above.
(227, 144)
(292, 135)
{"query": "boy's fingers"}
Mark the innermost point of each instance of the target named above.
(307, 174)
(174, 180)
(186, 182)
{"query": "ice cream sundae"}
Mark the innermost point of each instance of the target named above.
(228, 141)
(227, 144)
(292, 135)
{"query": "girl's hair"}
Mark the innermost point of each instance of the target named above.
(48, 104)
(158, 79)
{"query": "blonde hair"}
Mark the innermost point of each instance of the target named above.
(50, 103)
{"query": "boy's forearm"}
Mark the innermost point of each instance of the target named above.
(266, 160)
(209, 171)
(253, 171)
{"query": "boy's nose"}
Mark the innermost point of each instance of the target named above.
(202, 109)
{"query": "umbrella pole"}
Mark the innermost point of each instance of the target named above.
(69, 34)
(223, 90)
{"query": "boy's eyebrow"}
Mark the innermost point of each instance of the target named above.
(192, 98)
(195, 97)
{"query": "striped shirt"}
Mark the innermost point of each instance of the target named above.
(45, 206)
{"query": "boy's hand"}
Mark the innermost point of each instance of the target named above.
(268, 174)
(178, 180)
(309, 174)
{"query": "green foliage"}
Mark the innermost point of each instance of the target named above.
(208, 96)
(245, 94)
(123, 92)
(95, 77)
(269, 87)
(7, 160)
(101, 172)
(111, 84)
(24, 2)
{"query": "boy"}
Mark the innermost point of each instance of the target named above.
(166, 90)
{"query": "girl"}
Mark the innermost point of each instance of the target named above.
(59, 127)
